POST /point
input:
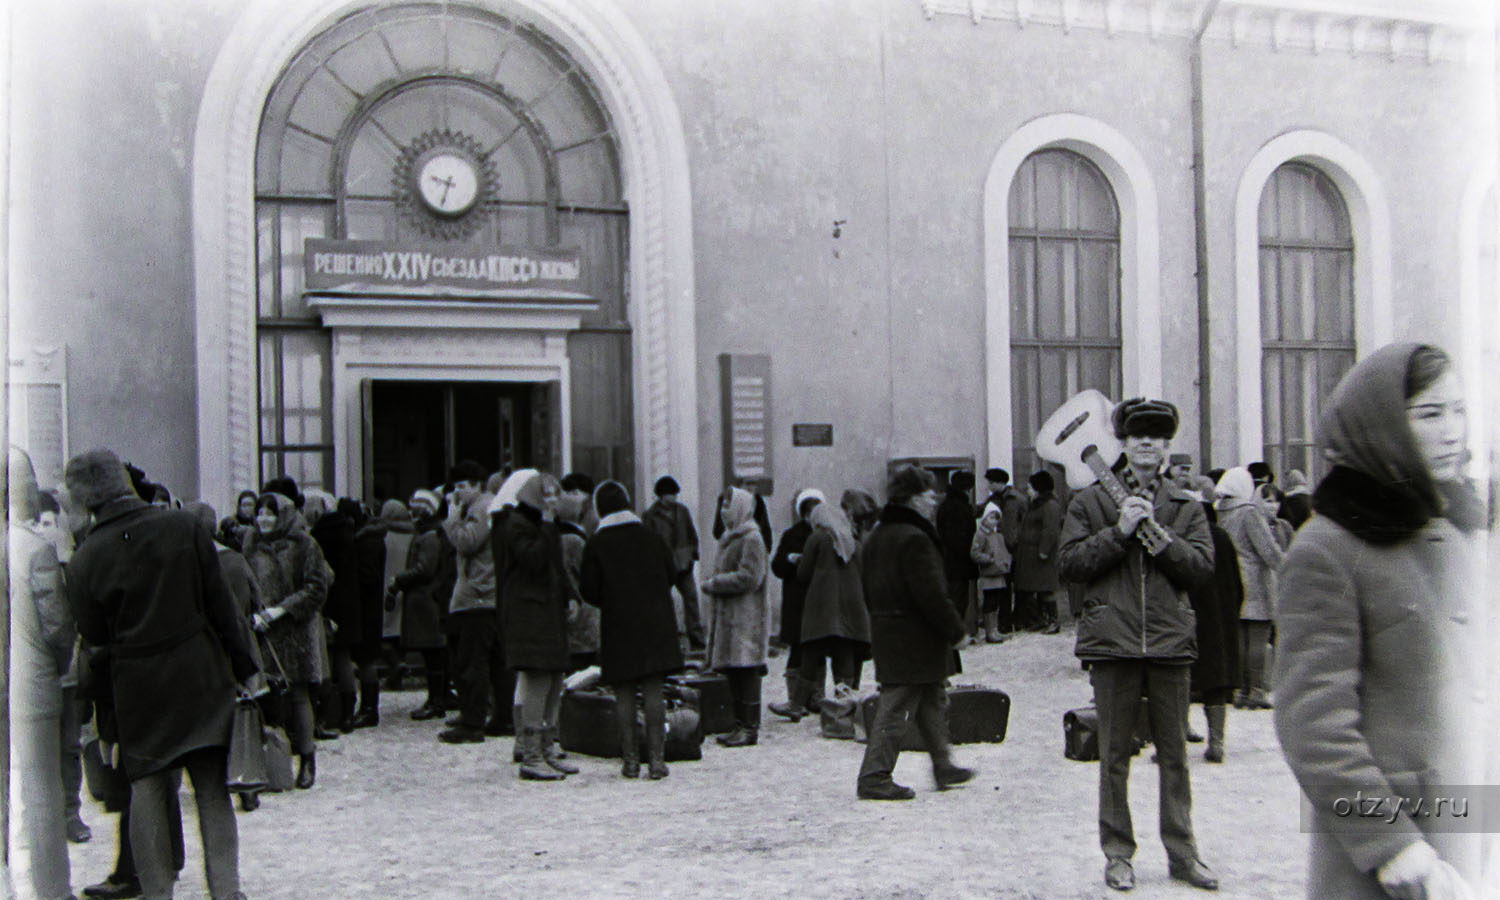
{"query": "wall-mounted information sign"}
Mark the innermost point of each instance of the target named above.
(387, 267)
(745, 404)
(807, 434)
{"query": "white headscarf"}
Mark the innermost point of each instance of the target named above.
(739, 516)
(1236, 484)
(813, 493)
(506, 496)
(831, 518)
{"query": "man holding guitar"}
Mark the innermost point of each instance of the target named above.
(1137, 548)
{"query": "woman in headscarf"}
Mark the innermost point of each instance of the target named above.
(802, 696)
(424, 586)
(42, 635)
(835, 621)
(244, 516)
(627, 571)
(534, 591)
(294, 580)
(1296, 503)
(1216, 605)
(1380, 634)
(740, 633)
(1244, 519)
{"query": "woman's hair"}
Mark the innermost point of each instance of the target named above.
(1426, 366)
(266, 501)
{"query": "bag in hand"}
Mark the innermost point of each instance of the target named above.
(278, 759)
(248, 771)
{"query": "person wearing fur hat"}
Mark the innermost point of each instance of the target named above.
(740, 624)
(147, 584)
(485, 682)
(627, 572)
(1034, 571)
(672, 520)
(802, 696)
(1138, 635)
(423, 586)
(914, 631)
(1381, 634)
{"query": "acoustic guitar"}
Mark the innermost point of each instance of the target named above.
(1080, 438)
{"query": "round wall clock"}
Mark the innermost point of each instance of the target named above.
(445, 185)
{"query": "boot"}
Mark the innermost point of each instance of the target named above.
(553, 753)
(1216, 723)
(795, 707)
(656, 746)
(747, 734)
(348, 700)
(992, 633)
(1193, 737)
(307, 771)
(516, 753)
(533, 766)
(369, 706)
(1050, 624)
(630, 749)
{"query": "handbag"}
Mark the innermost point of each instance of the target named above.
(248, 771)
(274, 742)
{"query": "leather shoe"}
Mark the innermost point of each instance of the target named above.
(1195, 873)
(110, 889)
(426, 711)
(461, 734)
(325, 734)
(952, 776)
(365, 718)
(307, 772)
(78, 831)
(888, 791)
(498, 728)
(1118, 874)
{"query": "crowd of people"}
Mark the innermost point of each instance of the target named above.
(147, 623)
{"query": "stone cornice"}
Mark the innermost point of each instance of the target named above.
(1426, 32)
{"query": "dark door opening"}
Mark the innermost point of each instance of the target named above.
(416, 430)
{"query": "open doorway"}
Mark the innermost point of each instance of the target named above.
(416, 430)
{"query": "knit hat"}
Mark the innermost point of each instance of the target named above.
(611, 497)
(907, 482)
(1139, 417)
(430, 498)
(997, 475)
(666, 485)
(96, 477)
(1042, 481)
(286, 487)
(1261, 472)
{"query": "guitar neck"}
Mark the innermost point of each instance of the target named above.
(1107, 478)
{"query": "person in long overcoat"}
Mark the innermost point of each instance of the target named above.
(914, 629)
(627, 572)
(1380, 634)
(1034, 570)
(146, 585)
(294, 580)
(534, 591)
(739, 632)
(1259, 553)
(955, 528)
(1216, 603)
(334, 531)
(802, 696)
(424, 592)
(369, 553)
(835, 620)
(42, 635)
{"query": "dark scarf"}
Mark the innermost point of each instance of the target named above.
(897, 514)
(1381, 513)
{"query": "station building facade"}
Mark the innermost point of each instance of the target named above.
(783, 242)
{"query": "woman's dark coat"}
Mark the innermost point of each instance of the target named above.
(369, 551)
(955, 528)
(793, 591)
(1041, 529)
(424, 593)
(334, 533)
(1216, 603)
(627, 572)
(146, 584)
(534, 592)
(834, 603)
(913, 626)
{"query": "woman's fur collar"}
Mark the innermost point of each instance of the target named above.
(1386, 513)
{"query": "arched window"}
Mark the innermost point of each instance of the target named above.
(368, 101)
(1064, 291)
(1307, 310)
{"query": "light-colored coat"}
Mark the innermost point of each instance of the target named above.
(740, 633)
(1259, 552)
(1375, 646)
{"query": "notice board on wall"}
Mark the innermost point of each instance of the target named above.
(745, 408)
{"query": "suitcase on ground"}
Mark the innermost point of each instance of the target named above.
(715, 707)
(586, 724)
(1081, 734)
(976, 714)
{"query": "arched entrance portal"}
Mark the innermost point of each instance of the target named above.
(550, 121)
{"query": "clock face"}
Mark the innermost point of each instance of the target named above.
(447, 183)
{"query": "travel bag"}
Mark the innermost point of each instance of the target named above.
(976, 714)
(1081, 734)
(587, 724)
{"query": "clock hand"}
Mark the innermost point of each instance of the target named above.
(447, 184)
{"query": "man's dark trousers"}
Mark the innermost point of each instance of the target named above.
(481, 668)
(1118, 687)
(898, 704)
